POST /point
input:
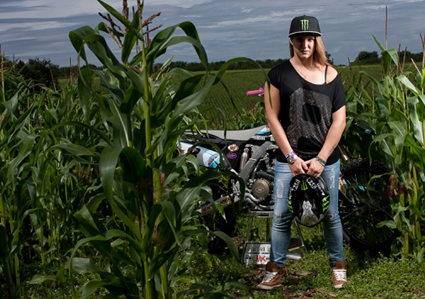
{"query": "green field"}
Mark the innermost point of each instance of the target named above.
(219, 100)
(238, 82)
(227, 103)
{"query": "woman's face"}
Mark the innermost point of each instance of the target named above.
(303, 45)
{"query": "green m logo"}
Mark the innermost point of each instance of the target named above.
(304, 24)
(325, 203)
(304, 185)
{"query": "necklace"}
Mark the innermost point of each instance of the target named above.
(305, 74)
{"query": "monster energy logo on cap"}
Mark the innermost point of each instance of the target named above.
(304, 24)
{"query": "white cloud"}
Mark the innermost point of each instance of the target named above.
(42, 9)
(34, 26)
(24, 9)
(409, 1)
(376, 7)
(273, 16)
(227, 28)
(177, 3)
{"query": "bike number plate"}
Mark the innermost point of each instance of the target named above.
(256, 253)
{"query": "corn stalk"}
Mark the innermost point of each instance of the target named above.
(396, 111)
(142, 115)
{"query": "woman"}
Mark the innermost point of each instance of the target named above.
(305, 107)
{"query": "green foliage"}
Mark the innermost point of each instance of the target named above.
(249, 117)
(215, 66)
(395, 110)
(228, 106)
(96, 202)
(40, 185)
(139, 118)
(310, 276)
(365, 57)
(38, 71)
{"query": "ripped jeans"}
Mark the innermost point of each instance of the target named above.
(282, 218)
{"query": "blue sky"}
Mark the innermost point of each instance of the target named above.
(228, 29)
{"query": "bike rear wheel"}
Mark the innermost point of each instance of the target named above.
(217, 245)
(363, 204)
(217, 222)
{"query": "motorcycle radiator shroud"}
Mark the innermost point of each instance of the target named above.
(210, 158)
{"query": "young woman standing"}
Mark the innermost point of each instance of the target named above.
(305, 107)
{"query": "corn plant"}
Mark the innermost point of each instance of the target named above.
(41, 185)
(11, 219)
(145, 216)
(396, 111)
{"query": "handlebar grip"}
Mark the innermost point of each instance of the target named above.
(255, 92)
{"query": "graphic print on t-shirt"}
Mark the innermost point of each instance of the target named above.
(308, 128)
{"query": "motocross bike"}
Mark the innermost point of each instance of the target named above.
(250, 154)
(365, 200)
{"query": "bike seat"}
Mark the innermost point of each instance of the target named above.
(239, 135)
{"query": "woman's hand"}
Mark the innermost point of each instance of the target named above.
(315, 168)
(298, 167)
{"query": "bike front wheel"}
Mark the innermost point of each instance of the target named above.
(364, 203)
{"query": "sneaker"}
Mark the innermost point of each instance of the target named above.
(273, 277)
(339, 274)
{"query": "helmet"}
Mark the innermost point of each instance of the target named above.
(308, 199)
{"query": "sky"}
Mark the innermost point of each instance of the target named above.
(257, 29)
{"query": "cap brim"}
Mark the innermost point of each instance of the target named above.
(305, 32)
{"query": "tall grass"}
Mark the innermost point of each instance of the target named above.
(149, 188)
(394, 106)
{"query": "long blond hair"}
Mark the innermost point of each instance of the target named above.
(319, 54)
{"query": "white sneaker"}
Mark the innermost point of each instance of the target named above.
(339, 274)
(273, 277)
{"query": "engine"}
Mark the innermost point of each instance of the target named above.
(259, 193)
(260, 188)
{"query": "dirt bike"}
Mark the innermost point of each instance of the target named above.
(364, 201)
(250, 155)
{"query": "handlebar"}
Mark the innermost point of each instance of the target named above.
(255, 92)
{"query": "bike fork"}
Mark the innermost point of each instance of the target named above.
(344, 154)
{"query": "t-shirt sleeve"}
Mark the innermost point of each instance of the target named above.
(339, 95)
(274, 76)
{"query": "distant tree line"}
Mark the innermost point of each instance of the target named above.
(244, 65)
(42, 72)
(365, 57)
(45, 72)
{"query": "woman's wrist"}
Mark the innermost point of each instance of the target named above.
(291, 157)
(291, 153)
(321, 161)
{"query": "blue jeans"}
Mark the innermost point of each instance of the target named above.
(282, 218)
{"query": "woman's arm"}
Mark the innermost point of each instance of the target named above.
(331, 142)
(334, 134)
(272, 104)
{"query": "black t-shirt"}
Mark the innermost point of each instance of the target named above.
(306, 110)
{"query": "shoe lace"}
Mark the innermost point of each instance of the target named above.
(269, 276)
(340, 274)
